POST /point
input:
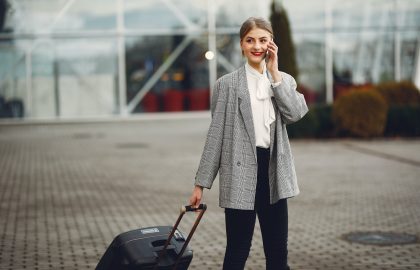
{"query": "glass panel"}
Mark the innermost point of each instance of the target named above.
(383, 65)
(165, 14)
(183, 84)
(88, 15)
(304, 15)
(363, 58)
(409, 13)
(356, 15)
(12, 80)
(350, 15)
(349, 58)
(409, 20)
(231, 14)
(87, 78)
(70, 82)
(310, 51)
(63, 15)
(409, 45)
(34, 16)
(229, 53)
(44, 80)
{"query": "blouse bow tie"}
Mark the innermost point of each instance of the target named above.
(264, 93)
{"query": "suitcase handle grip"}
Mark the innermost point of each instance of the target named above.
(190, 208)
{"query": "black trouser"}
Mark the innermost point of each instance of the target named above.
(273, 222)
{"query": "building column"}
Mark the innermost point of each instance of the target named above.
(397, 43)
(28, 82)
(211, 16)
(122, 83)
(328, 53)
(416, 73)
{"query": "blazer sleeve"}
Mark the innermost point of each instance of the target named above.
(289, 101)
(210, 158)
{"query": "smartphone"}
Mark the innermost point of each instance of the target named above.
(267, 54)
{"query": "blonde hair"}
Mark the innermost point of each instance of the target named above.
(255, 22)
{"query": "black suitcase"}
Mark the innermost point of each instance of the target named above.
(160, 247)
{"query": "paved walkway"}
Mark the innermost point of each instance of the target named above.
(67, 189)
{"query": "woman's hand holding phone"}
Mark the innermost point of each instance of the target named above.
(272, 62)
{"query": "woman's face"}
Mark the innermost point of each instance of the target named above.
(254, 45)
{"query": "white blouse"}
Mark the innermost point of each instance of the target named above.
(263, 113)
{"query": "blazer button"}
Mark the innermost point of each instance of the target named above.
(239, 163)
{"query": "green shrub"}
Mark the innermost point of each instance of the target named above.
(360, 113)
(403, 120)
(399, 93)
(390, 109)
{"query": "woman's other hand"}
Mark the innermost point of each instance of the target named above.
(196, 196)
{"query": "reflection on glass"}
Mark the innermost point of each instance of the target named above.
(44, 94)
(148, 14)
(87, 78)
(362, 59)
(181, 84)
(12, 81)
(305, 15)
(232, 14)
(69, 82)
(58, 16)
(230, 56)
(409, 43)
(310, 51)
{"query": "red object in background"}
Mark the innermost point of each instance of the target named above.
(173, 100)
(150, 102)
(340, 89)
(198, 99)
(309, 94)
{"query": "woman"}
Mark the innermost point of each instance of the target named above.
(247, 144)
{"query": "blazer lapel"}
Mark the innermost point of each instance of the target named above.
(245, 107)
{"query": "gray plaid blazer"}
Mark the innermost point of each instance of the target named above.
(230, 144)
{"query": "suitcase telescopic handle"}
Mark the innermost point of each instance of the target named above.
(189, 208)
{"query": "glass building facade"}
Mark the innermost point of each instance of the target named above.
(74, 59)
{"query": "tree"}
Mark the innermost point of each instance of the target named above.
(3, 11)
(283, 38)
